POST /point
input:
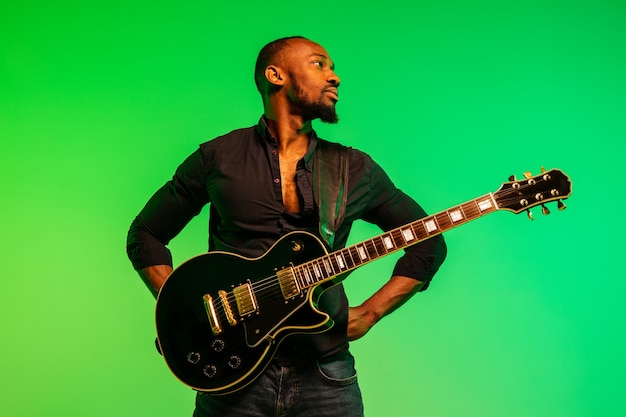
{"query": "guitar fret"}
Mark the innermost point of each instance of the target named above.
(314, 268)
(317, 270)
(329, 266)
(389, 243)
(350, 259)
(355, 260)
(444, 221)
(335, 264)
(430, 225)
(408, 235)
(381, 248)
(307, 275)
(340, 261)
(471, 209)
(370, 246)
(398, 238)
(420, 230)
(485, 205)
(456, 214)
(362, 253)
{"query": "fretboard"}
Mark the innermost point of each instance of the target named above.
(347, 259)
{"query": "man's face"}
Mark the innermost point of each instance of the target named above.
(312, 85)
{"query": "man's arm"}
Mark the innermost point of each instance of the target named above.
(389, 208)
(154, 277)
(165, 214)
(384, 301)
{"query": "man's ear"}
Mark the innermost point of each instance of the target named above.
(274, 75)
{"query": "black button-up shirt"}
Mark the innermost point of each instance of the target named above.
(238, 174)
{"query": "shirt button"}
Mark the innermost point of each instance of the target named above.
(276, 180)
(274, 152)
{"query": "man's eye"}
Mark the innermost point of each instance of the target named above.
(318, 63)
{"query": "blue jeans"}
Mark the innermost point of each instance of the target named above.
(325, 388)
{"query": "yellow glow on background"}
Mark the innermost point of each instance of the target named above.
(100, 101)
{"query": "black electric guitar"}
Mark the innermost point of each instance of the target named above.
(220, 317)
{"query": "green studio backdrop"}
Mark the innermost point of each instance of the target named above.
(100, 101)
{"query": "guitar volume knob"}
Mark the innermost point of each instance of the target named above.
(234, 362)
(193, 358)
(209, 371)
(218, 345)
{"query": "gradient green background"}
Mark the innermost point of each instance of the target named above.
(100, 101)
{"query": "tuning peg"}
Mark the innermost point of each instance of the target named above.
(545, 210)
(512, 178)
(528, 175)
(543, 170)
(530, 215)
(561, 206)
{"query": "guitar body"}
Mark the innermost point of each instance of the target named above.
(226, 359)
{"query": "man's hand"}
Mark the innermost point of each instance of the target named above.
(360, 321)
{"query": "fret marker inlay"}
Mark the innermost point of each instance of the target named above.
(484, 205)
(431, 226)
(456, 215)
(340, 261)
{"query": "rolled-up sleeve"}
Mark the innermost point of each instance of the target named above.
(166, 213)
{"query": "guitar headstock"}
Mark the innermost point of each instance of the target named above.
(523, 194)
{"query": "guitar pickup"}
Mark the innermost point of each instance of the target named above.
(246, 302)
(288, 284)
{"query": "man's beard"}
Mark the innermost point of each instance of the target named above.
(315, 109)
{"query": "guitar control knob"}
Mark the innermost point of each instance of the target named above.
(218, 345)
(193, 358)
(209, 371)
(234, 362)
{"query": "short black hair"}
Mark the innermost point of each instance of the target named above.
(266, 55)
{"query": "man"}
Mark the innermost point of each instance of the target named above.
(260, 184)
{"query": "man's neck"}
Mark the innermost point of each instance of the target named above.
(290, 131)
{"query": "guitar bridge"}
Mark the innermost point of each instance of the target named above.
(230, 317)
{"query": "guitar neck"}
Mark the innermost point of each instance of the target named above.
(327, 267)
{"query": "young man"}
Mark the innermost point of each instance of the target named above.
(260, 183)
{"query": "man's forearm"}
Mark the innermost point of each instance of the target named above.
(384, 301)
(154, 277)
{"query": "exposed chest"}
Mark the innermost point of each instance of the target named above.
(289, 188)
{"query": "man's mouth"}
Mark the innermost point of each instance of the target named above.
(333, 93)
